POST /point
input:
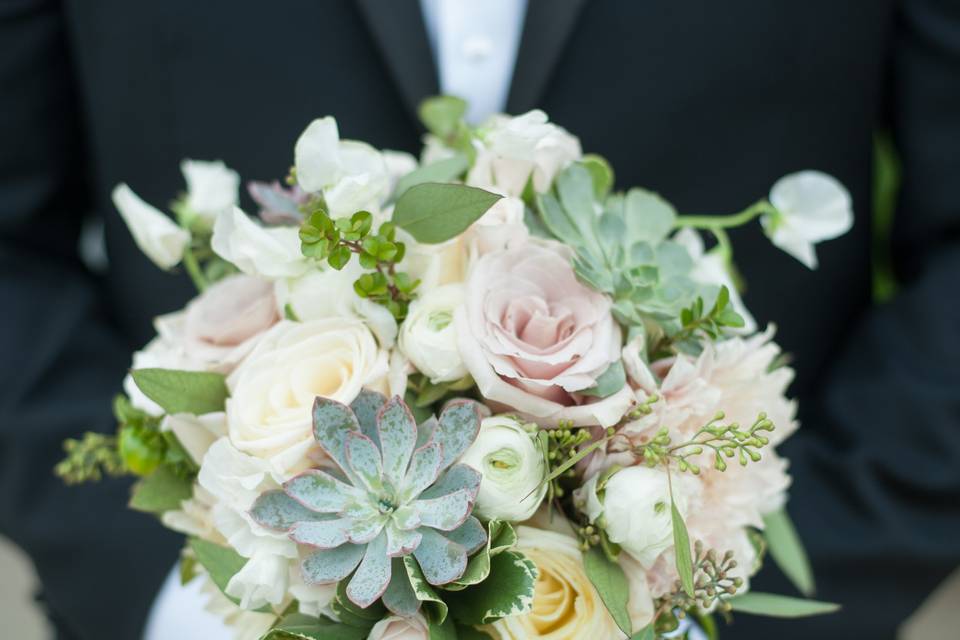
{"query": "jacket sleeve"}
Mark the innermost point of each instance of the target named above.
(60, 360)
(876, 495)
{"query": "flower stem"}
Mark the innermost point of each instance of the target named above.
(192, 266)
(727, 222)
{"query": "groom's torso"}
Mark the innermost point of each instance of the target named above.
(705, 102)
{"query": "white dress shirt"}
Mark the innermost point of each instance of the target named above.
(475, 45)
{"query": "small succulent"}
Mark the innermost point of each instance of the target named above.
(400, 494)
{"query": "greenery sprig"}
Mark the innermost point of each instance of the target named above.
(724, 440)
(90, 458)
(694, 323)
(713, 581)
(336, 241)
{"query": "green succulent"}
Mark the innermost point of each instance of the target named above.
(622, 245)
(400, 495)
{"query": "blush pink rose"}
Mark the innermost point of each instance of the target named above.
(400, 628)
(222, 325)
(532, 336)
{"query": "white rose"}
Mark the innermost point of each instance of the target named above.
(512, 467)
(351, 175)
(273, 390)
(434, 265)
(515, 148)
(811, 207)
(400, 628)
(428, 338)
(634, 509)
(211, 188)
(325, 292)
(270, 252)
(155, 234)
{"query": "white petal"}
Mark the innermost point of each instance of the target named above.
(211, 187)
(155, 234)
(317, 154)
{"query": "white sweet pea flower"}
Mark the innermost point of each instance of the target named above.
(709, 267)
(634, 509)
(351, 175)
(211, 188)
(269, 252)
(156, 235)
(512, 467)
(428, 337)
(811, 207)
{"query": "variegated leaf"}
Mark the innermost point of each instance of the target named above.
(437, 608)
(398, 435)
(446, 512)
(400, 597)
(424, 467)
(277, 510)
(440, 559)
(459, 425)
(373, 574)
(327, 566)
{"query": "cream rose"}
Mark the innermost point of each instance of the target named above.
(428, 338)
(400, 628)
(565, 604)
(512, 467)
(532, 336)
(273, 390)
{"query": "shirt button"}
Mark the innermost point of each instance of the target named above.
(477, 48)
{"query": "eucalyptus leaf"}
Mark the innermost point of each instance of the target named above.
(777, 606)
(609, 382)
(681, 543)
(163, 490)
(787, 550)
(196, 392)
(440, 171)
(433, 212)
(611, 584)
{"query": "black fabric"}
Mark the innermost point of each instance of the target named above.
(705, 102)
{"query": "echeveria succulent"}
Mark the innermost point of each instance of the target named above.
(400, 494)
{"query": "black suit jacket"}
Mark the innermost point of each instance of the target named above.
(706, 102)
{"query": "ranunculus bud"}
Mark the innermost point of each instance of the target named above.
(512, 467)
(428, 337)
(634, 509)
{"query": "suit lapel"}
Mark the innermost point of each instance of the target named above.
(545, 30)
(397, 28)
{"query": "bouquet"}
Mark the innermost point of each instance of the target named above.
(479, 395)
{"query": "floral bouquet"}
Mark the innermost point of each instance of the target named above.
(482, 395)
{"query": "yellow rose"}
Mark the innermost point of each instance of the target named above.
(565, 604)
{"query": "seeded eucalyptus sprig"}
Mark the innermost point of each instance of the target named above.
(90, 458)
(335, 241)
(712, 582)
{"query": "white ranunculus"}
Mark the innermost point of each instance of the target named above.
(273, 390)
(512, 467)
(156, 235)
(269, 252)
(428, 337)
(212, 187)
(811, 207)
(514, 148)
(325, 292)
(634, 509)
(709, 267)
(351, 175)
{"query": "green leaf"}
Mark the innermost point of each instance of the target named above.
(507, 592)
(572, 460)
(440, 171)
(770, 604)
(681, 542)
(195, 392)
(469, 633)
(442, 114)
(647, 633)
(500, 537)
(434, 604)
(433, 212)
(601, 172)
(609, 382)
(297, 626)
(611, 585)
(788, 551)
(163, 490)
(220, 562)
(446, 630)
